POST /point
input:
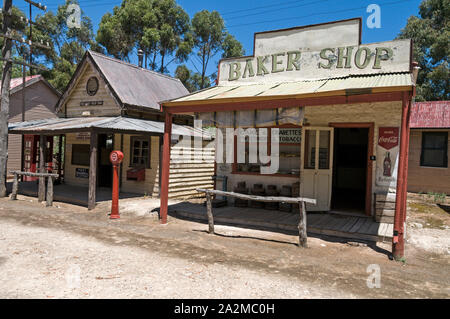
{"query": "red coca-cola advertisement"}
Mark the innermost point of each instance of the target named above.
(387, 156)
(388, 137)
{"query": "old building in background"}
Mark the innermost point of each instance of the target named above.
(40, 101)
(112, 105)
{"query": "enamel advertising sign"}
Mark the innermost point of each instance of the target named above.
(387, 156)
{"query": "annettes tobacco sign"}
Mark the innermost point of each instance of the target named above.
(318, 52)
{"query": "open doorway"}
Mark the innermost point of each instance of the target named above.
(105, 147)
(350, 170)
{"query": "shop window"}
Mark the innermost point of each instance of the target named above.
(289, 153)
(80, 154)
(140, 152)
(434, 149)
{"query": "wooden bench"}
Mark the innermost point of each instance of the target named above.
(41, 190)
(291, 200)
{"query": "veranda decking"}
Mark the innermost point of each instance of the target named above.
(349, 227)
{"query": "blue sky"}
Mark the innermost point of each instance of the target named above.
(245, 17)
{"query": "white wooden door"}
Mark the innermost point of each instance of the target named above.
(316, 167)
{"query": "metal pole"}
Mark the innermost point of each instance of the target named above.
(115, 194)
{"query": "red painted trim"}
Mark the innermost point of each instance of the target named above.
(165, 168)
(293, 102)
(370, 152)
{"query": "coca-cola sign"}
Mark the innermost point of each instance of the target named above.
(388, 137)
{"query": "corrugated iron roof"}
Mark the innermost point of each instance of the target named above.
(15, 82)
(112, 124)
(299, 87)
(433, 114)
(137, 86)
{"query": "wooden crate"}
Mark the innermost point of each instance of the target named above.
(384, 206)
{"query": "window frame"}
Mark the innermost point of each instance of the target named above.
(72, 161)
(234, 165)
(141, 139)
(424, 149)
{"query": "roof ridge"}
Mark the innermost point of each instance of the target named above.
(133, 65)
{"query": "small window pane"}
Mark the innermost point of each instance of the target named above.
(434, 149)
(310, 149)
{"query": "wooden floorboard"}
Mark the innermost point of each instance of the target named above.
(320, 223)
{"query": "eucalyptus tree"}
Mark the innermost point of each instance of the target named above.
(431, 33)
(161, 28)
(211, 39)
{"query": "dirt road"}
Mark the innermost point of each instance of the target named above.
(68, 252)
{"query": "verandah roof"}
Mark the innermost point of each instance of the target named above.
(107, 124)
(296, 89)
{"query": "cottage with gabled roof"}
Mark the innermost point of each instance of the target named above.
(113, 105)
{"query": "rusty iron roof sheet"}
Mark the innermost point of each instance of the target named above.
(433, 114)
(299, 87)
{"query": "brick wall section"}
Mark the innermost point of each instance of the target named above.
(426, 179)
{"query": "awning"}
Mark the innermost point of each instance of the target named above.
(297, 89)
(119, 124)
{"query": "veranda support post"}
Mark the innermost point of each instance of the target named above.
(42, 152)
(165, 168)
(93, 171)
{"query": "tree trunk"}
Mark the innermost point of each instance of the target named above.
(6, 82)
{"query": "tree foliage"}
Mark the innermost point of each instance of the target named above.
(431, 33)
(158, 27)
(68, 44)
(211, 38)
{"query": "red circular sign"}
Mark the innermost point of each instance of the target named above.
(116, 157)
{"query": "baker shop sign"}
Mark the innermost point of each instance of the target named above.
(316, 52)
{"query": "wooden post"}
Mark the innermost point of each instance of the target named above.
(93, 171)
(209, 212)
(302, 235)
(42, 148)
(15, 188)
(165, 168)
(398, 243)
(59, 156)
(49, 191)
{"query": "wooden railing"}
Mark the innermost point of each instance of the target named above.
(41, 190)
(290, 200)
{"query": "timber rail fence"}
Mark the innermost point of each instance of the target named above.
(291, 200)
(41, 191)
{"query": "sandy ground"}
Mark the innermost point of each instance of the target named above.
(67, 252)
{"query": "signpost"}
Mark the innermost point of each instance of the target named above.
(116, 158)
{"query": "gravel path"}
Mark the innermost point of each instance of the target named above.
(40, 262)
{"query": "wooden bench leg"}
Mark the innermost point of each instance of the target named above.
(49, 192)
(15, 188)
(209, 212)
(302, 236)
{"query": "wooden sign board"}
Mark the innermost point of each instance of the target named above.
(316, 52)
